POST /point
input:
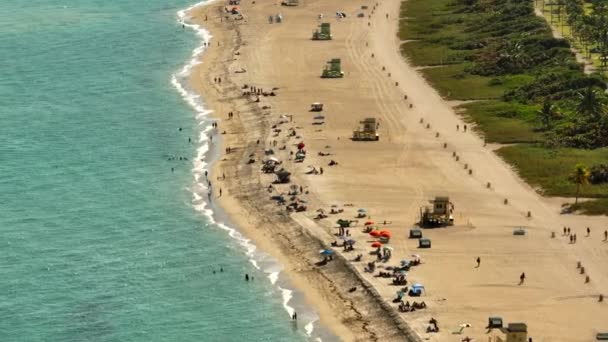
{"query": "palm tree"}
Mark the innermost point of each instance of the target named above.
(580, 177)
(590, 103)
(547, 114)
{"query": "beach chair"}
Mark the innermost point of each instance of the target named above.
(602, 336)
(424, 243)
(494, 322)
(415, 233)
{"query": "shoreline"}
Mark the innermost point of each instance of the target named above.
(207, 155)
(295, 239)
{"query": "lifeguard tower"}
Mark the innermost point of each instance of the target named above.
(439, 215)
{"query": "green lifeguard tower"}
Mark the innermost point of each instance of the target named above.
(323, 32)
(333, 69)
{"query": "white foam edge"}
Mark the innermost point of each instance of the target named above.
(178, 80)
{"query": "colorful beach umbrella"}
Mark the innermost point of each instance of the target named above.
(376, 244)
(326, 252)
(385, 233)
(369, 223)
(388, 248)
(374, 233)
(361, 210)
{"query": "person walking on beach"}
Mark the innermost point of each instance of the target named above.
(220, 192)
(564, 230)
(522, 278)
(588, 231)
(478, 262)
(246, 277)
(605, 235)
(294, 317)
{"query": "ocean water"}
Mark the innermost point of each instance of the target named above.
(99, 239)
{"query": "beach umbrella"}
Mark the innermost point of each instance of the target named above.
(385, 234)
(350, 241)
(388, 248)
(301, 146)
(374, 233)
(326, 252)
(361, 210)
(418, 287)
(376, 244)
(273, 159)
(369, 223)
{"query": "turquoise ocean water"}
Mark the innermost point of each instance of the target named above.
(100, 240)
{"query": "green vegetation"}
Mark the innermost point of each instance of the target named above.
(596, 207)
(550, 169)
(529, 87)
(503, 122)
(583, 23)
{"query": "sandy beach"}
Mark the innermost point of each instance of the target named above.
(420, 155)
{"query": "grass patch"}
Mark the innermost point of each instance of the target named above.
(422, 53)
(503, 122)
(593, 207)
(550, 169)
(454, 83)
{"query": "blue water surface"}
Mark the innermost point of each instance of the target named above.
(99, 240)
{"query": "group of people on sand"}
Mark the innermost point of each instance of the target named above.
(406, 307)
(572, 236)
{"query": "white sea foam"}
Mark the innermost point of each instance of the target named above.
(274, 276)
(287, 295)
(200, 188)
(309, 328)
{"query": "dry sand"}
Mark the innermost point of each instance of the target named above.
(393, 178)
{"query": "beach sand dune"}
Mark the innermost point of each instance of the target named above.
(412, 163)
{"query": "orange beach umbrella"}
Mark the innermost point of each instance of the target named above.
(376, 244)
(374, 233)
